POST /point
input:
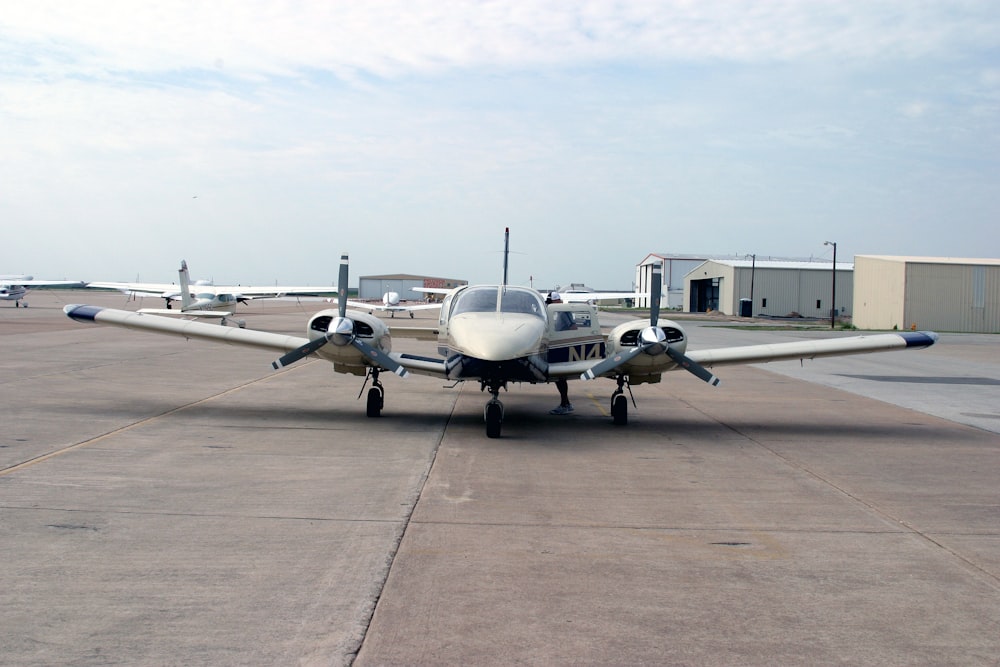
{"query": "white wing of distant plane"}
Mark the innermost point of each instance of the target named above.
(15, 287)
(173, 291)
(577, 296)
(204, 289)
(42, 283)
(162, 290)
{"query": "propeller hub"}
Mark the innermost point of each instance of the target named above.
(341, 331)
(653, 340)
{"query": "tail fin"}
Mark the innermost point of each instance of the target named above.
(186, 299)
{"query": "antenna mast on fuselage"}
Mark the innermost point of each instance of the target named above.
(506, 251)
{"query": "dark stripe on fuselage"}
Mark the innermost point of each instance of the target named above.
(82, 313)
(578, 352)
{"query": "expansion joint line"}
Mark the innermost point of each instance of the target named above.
(989, 577)
(128, 427)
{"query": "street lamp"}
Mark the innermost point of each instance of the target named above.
(833, 298)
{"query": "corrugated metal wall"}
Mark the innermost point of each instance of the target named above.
(953, 297)
(779, 291)
(374, 288)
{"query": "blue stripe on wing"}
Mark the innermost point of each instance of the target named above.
(919, 339)
(82, 313)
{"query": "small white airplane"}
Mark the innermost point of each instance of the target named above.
(201, 298)
(391, 304)
(15, 287)
(499, 334)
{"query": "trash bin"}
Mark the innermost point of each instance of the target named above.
(746, 308)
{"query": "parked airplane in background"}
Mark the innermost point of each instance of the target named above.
(500, 334)
(15, 287)
(203, 299)
(390, 304)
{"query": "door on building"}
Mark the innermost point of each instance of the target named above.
(704, 295)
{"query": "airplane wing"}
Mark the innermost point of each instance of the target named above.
(589, 297)
(812, 349)
(756, 354)
(162, 290)
(271, 292)
(185, 328)
(44, 283)
(360, 305)
(435, 290)
(215, 314)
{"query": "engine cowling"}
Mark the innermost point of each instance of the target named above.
(647, 367)
(347, 358)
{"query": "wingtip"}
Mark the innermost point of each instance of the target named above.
(81, 312)
(919, 339)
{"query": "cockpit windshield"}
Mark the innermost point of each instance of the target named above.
(483, 299)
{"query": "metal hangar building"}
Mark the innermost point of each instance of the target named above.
(769, 288)
(936, 293)
(374, 287)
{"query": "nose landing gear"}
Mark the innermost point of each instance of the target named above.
(493, 412)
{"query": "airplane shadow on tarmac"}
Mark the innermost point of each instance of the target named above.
(525, 422)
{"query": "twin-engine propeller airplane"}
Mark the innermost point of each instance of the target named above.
(201, 298)
(15, 287)
(500, 334)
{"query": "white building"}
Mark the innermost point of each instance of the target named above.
(675, 267)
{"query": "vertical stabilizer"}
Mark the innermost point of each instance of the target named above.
(186, 300)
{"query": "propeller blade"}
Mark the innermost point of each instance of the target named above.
(342, 287)
(381, 359)
(693, 366)
(655, 292)
(299, 352)
(611, 363)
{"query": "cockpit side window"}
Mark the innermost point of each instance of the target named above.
(518, 301)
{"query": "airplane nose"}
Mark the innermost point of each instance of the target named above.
(497, 337)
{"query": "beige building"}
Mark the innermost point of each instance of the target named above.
(936, 293)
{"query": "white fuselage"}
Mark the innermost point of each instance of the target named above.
(494, 333)
(12, 292)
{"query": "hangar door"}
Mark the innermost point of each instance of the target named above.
(704, 295)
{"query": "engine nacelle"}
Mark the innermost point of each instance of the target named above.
(646, 368)
(347, 358)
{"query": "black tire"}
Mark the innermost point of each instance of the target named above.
(375, 401)
(494, 418)
(619, 409)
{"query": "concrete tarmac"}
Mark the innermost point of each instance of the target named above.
(177, 502)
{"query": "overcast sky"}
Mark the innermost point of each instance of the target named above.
(259, 140)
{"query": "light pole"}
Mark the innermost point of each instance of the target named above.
(833, 305)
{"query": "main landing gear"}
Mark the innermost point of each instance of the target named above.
(493, 412)
(376, 395)
(619, 402)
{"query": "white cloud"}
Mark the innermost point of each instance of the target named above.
(392, 38)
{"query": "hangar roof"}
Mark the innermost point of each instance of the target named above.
(769, 264)
(935, 260)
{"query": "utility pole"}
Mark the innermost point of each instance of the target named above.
(833, 305)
